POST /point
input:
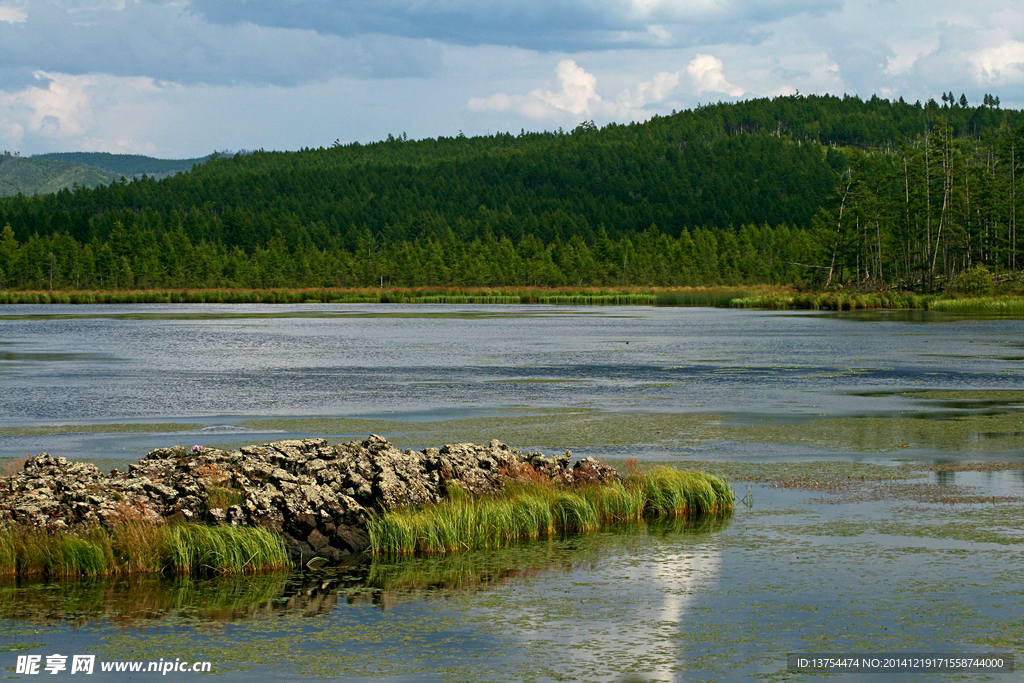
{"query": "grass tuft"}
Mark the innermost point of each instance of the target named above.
(182, 549)
(200, 549)
(529, 510)
(1001, 305)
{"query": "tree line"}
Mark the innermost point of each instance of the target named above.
(810, 191)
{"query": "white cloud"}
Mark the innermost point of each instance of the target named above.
(782, 91)
(652, 91)
(660, 35)
(182, 77)
(72, 112)
(1001, 64)
(60, 109)
(907, 52)
(706, 71)
(578, 91)
(577, 97)
(13, 15)
(677, 9)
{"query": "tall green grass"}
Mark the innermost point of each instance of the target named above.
(701, 296)
(180, 549)
(199, 549)
(528, 511)
(1000, 305)
(836, 301)
(624, 299)
(571, 296)
(765, 297)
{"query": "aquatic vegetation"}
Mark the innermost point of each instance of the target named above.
(757, 296)
(836, 301)
(533, 510)
(182, 549)
(887, 300)
(123, 428)
(1001, 305)
(570, 427)
(567, 296)
(198, 549)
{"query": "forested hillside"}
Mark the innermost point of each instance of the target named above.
(127, 165)
(816, 191)
(30, 175)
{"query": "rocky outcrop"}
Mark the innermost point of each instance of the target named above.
(315, 494)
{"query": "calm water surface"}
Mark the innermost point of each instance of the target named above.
(879, 458)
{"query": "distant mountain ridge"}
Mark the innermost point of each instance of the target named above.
(32, 176)
(47, 173)
(127, 165)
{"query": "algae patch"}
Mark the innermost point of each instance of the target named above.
(121, 428)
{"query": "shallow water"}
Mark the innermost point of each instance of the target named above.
(878, 458)
(114, 381)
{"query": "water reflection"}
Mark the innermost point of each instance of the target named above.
(142, 600)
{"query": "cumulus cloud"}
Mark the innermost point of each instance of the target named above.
(191, 75)
(652, 91)
(706, 72)
(1001, 64)
(13, 15)
(906, 53)
(578, 90)
(61, 110)
(577, 97)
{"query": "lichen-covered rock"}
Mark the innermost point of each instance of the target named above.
(315, 494)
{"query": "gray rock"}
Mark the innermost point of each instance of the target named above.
(315, 494)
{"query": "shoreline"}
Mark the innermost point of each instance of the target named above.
(755, 297)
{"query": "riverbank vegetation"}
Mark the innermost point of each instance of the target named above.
(773, 298)
(533, 510)
(579, 296)
(138, 547)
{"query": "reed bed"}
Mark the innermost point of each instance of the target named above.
(836, 301)
(572, 296)
(1004, 305)
(599, 300)
(704, 296)
(177, 549)
(764, 297)
(533, 510)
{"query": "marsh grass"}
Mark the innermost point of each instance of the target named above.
(998, 305)
(199, 549)
(529, 510)
(572, 296)
(757, 296)
(836, 301)
(134, 547)
(704, 296)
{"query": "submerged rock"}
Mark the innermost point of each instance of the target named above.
(316, 495)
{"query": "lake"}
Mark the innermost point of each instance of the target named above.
(878, 457)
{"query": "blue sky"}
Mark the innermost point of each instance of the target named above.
(175, 78)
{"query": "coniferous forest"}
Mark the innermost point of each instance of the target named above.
(806, 191)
